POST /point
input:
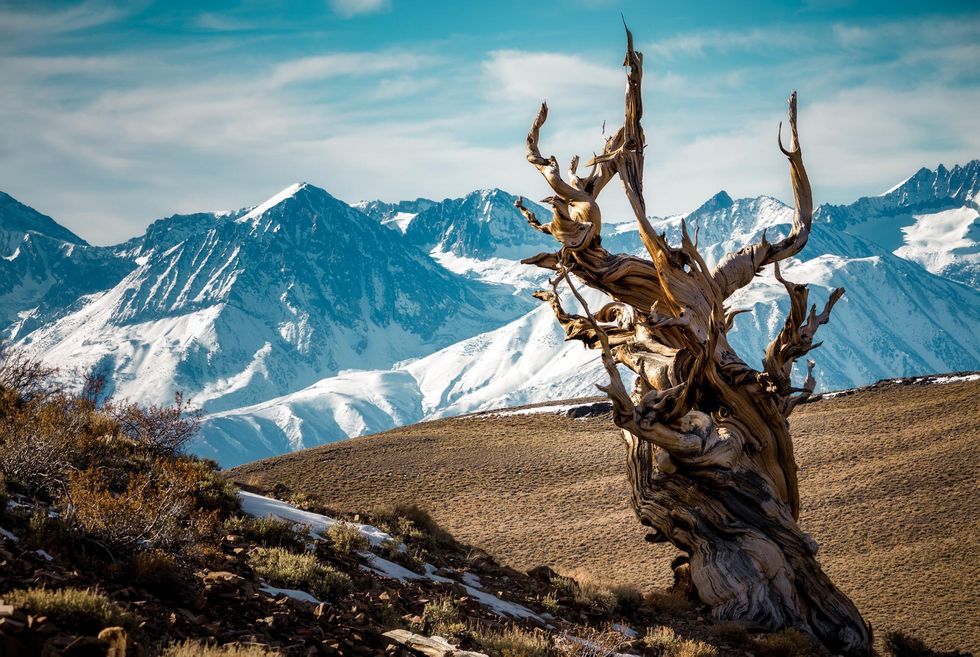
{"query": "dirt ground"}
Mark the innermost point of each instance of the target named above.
(888, 481)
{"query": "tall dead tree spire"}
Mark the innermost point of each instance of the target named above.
(709, 454)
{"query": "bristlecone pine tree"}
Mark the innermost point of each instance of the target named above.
(709, 453)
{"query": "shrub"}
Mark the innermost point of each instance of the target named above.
(157, 571)
(45, 532)
(513, 641)
(410, 522)
(197, 649)
(629, 599)
(81, 610)
(550, 602)
(442, 617)
(411, 557)
(346, 538)
(164, 430)
(286, 569)
(586, 590)
(664, 642)
(268, 531)
(670, 603)
(786, 643)
(898, 644)
(156, 509)
(734, 634)
(43, 440)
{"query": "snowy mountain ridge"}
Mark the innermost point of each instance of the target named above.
(303, 320)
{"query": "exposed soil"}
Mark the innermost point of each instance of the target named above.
(888, 481)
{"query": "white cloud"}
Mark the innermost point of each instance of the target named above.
(569, 80)
(350, 8)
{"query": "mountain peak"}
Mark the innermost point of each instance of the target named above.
(17, 220)
(262, 208)
(719, 201)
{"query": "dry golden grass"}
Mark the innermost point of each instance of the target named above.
(888, 479)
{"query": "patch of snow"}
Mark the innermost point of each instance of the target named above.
(260, 506)
(895, 187)
(295, 594)
(10, 536)
(555, 408)
(625, 630)
(385, 568)
(401, 220)
(262, 208)
(44, 555)
(955, 379)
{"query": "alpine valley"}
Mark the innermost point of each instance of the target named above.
(304, 320)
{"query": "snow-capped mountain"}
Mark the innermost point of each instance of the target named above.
(483, 224)
(932, 218)
(45, 267)
(303, 320)
(394, 215)
(239, 308)
(896, 319)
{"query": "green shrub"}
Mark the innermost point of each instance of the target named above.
(286, 569)
(346, 538)
(81, 610)
(197, 649)
(513, 642)
(442, 617)
(412, 558)
(410, 523)
(268, 531)
(662, 641)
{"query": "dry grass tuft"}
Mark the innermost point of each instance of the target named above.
(197, 649)
(663, 641)
(82, 610)
(513, 642)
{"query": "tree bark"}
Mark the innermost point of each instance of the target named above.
(709, 453)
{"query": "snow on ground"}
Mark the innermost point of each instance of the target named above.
(260, 506)
(9, 535)
(555, 408)
(295, 594)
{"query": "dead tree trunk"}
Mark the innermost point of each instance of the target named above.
(709, 453)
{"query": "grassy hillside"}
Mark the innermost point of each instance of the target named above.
(888, 479)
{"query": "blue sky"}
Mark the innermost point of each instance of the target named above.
(118, 113)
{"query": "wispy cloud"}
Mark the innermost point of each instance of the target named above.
(351, 8)
(38, 21)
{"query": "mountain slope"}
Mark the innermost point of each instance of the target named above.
(931, 218)
(394, 215)
(483, 224)
(239, 308)
(896, 319)
(45, 267)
